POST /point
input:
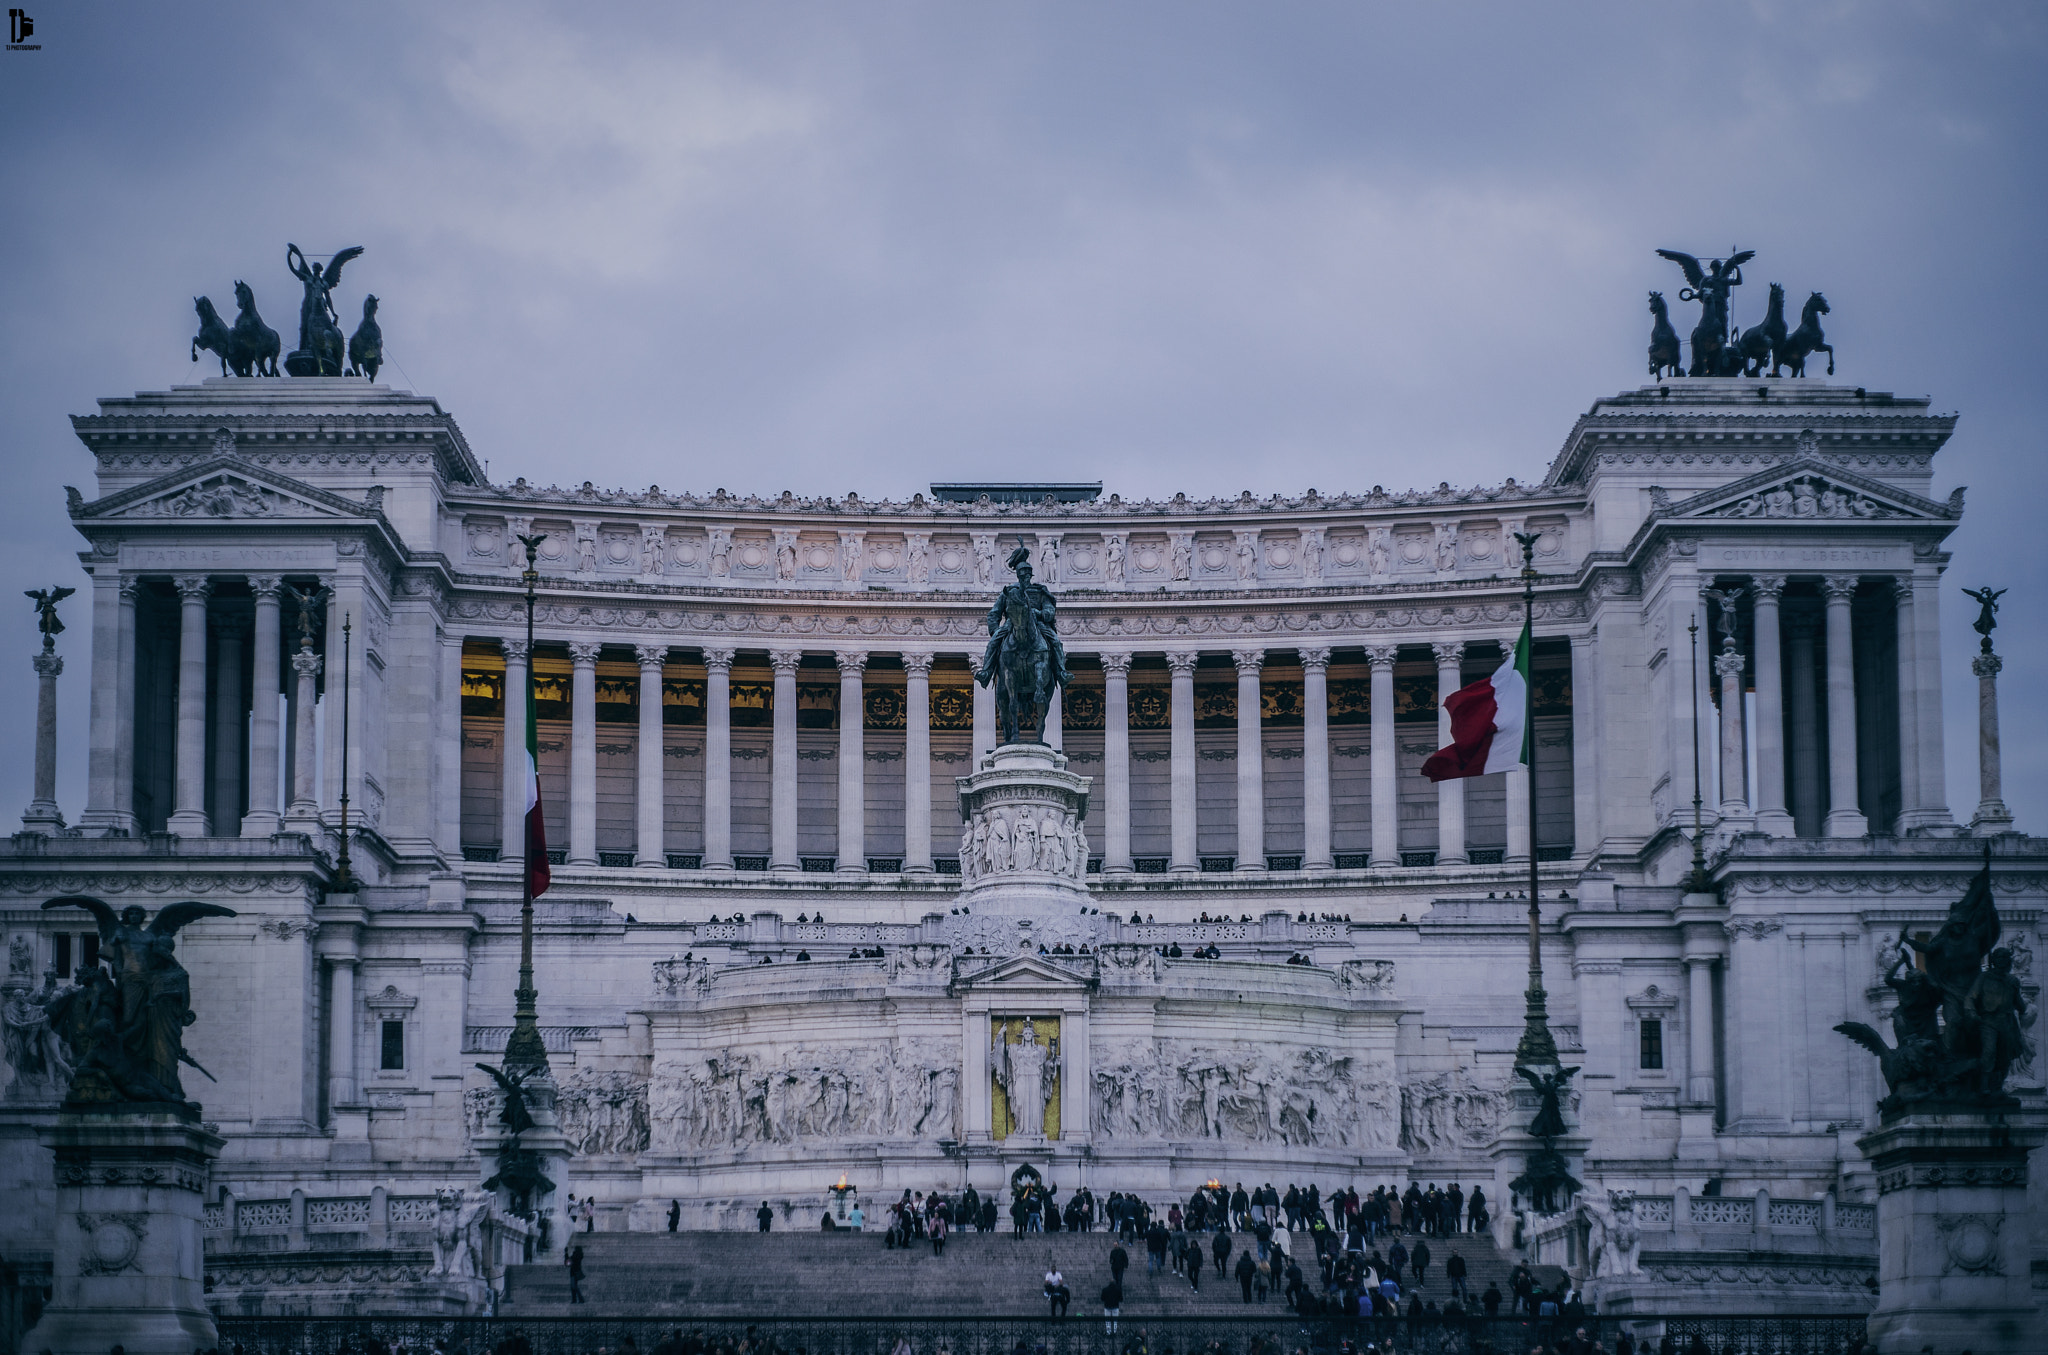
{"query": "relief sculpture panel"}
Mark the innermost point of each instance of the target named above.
(1179, 1089)
(740, 1098)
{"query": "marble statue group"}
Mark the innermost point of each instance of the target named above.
(1718, 347)
(249, 347)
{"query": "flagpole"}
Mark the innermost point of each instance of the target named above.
(1536, 1049)
(523, 1049)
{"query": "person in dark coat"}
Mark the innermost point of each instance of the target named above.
(675, 1214)
(1119, 1262)
(576, 1275)
(1247, 1269)
(1490, 1300)
(1220, 1248)
(765, 1215)
(1454, 1271)
(1419, 1261)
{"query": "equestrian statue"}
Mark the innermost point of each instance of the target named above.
(1024, 660)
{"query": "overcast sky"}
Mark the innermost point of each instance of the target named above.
(1177, 246)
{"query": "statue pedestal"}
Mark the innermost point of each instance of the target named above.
(1023, 856)
(127, 1258)
(1953, 1234)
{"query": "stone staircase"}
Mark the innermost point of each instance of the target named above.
(844, 1274)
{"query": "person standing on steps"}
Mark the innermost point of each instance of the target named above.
(1221, 1249)
(590, 1213)
(1119, 1262)
(765, 1216)
(576, 1275)
(675, 1214)
(1454, 1271)
(938, 1232)
(1420, 1261)
(1112, 1302)
(1247, 1270)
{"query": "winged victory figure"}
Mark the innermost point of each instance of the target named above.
(1709, 284)
(124, 1024)
(322, 350)
(516, 1118)
(46, 600)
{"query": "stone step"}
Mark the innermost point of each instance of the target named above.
(714, 1274)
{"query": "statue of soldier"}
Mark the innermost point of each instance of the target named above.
(1996, 1007)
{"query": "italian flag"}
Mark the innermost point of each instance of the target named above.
(1489, 722)
(537, 877)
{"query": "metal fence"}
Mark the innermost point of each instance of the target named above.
(1083, 1333)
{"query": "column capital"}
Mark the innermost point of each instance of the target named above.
(1449, 653)
(918, 665)
(1983, 665)
(1315, 660)
(130, 586)
(718, 660)
(266, 586)
(1728, 663)
(1901, 586)
(651, 656)
(1182, 662)
(1116, 665)
(1381, 656)
(50, 665)
(516, 651)
(1768, 587)
(583, 653)
(785, 660)
(191, 586)
(1248, 660)
(1839, 586)
(306, 663)
(852, 662)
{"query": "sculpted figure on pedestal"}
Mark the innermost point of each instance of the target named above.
(1022, 1070)
(1959, 1025)
(1024, 660)
(1616, 1241)
(125, 1029)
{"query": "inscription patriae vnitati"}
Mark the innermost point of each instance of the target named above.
(240, 557)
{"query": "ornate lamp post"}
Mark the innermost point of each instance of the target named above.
(1536, 1048)
(523, 1049)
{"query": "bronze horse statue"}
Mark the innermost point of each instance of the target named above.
(1761, 343)
(1663, 341)
(1024, 660)
(214, 335)
(257, 342)
(1805, 340)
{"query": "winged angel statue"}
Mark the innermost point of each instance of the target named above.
(1709, 284)
(322, 351)
(124, 1020)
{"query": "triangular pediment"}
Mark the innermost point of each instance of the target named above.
(1808, 489)
(225, 487)
(1024, 971)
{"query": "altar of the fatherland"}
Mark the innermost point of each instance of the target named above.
(802, 908)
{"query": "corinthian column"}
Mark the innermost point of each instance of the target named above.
(1909, 707)
(1728, 666)
(188, 816)
(583, 753)
(302, 815)
(1520, 838)
(917, 764)
(42, 815)
(1251, 762)
(1450, 795)
(718, 759)
(1386, 817)
(853, 804)
(1992, 816)
(227, 725)
(1181, 763)
(266, 637)
(512, 830)
(1772, 815)
(648, 848)
(1845, 818)
(102, 779)
(1116, 764)
(124, 715)
(1315, 759)
(782, 765)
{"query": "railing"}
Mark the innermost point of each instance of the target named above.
(1082, 1333)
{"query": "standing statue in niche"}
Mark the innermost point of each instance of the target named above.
(1026, 1078)
(1024, 660)
(125, 1030)
(322, 350)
